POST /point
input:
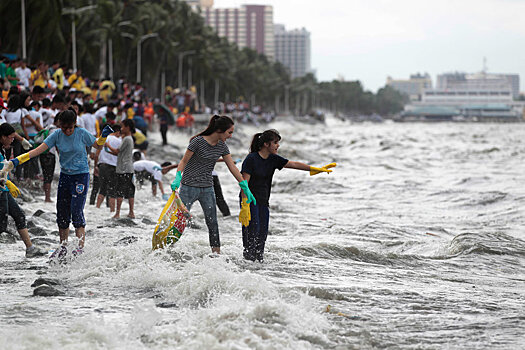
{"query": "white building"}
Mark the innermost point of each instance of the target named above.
(479, 82)
(293, 50)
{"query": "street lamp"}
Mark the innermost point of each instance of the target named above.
(24, 51)
(73, 12)
(139, 53)
(110, 48)
(163, 75)
(181, 56)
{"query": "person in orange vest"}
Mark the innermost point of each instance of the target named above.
(148, 115)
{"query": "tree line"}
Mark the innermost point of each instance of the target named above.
(171, 36)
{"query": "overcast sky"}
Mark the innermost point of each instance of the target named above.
(368, 40)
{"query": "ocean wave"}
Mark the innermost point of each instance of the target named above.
(487, 243)
(331, 251)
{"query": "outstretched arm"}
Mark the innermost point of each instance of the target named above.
(313, 170)
(232, 167)
(297, 165)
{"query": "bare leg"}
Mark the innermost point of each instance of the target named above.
(131, 205)
(47, 192)
(100, 200)
(64, 234)
(119, 204)
(24, 234)
(154, 189)
(216, 250)
(111, 205)
(81, 234)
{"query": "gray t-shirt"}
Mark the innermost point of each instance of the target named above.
(125, 156)
(197, 172)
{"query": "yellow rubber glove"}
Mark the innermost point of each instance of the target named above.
(324, 169)
(15, 192)
(245, 215)
(21, 159)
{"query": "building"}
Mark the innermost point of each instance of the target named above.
(248, 26)
(292, 49)
(413, 87)
(482, 81)
(461, 96)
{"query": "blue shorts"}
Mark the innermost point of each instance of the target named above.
(71, 198)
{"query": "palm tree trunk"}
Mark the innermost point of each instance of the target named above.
(102, 72)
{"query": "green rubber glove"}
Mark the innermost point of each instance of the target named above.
(244, 186)
(176, 183)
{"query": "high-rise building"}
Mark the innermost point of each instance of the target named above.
(292, 49)
(248, 26)
(413, 87)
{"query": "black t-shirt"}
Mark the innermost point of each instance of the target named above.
(261, 173)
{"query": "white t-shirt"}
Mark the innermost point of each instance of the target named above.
(151, 167)
(31, 129)
(106, 157)
(48, 116)
(23, 74)
(90, 123)
(2, 116)
(16, 116)
(101, 112)
(80, 121)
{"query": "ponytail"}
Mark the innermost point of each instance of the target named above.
(217, 123)
(261, 138)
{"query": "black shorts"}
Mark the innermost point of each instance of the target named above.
(125, 186)
(108, 180)
(47, 162)
(143, 146)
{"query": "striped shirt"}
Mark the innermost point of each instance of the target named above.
(197, 173)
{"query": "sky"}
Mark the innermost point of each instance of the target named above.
(369, 40)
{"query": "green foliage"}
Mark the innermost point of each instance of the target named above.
(216, 63)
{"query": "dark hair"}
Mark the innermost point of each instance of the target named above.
(6, 129)
(24, 95)
(261, 138)
(46, 102)
(14, 103)
(165, 164)
(38, 90)
(67, 117)
(115, 127)
(88, 108)
(13, 90)
(130, 124)
(59, 98)
(217, 123)
(137, 156)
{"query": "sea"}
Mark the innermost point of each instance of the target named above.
(416, 240)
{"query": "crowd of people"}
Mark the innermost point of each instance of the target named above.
(49, 113)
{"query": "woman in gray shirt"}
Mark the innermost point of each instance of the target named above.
(195, 168)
